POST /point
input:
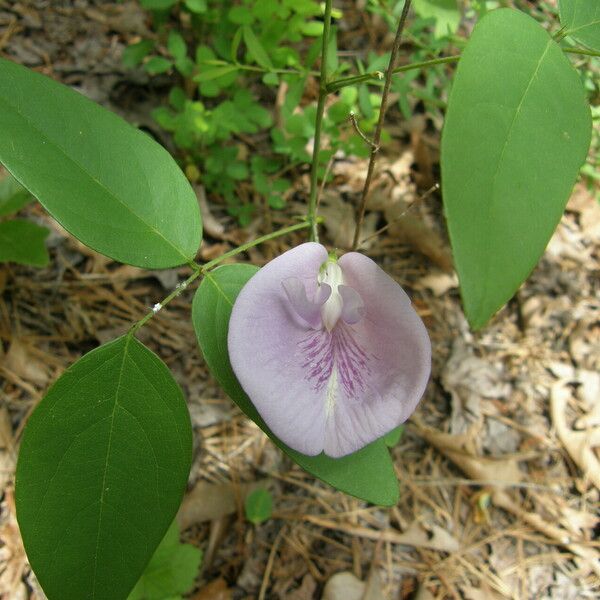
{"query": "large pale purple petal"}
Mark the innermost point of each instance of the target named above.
(395, 364)
(329, 391)
(265, 334)
(353, 309)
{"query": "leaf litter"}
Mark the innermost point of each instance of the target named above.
(498, 469)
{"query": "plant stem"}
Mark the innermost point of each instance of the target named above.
(338, 84)
(314, 167)
(202, 270)
(379, 127)
(245, 67)
(157, 307)
(264, 238)
(583, 51)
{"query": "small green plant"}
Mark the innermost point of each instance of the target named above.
(171, 571)
(255, 49)
(21, 241)
(258, 506)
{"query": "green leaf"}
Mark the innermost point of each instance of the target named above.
(214, 73)
(394, 436)
(102, 469)
(240, 15)
(134, 54)
(367, 474)
(196, 6)
(171, 570)
(235, 44)
(185, 66)
(157, 64)
(516, 132)
(312, 28)
(270, 79)
(176, 45)
(255, 48)
(23, 242)
(107, 183)
(13, 196)
(445, 13)
(258, 506)
(158, 4)
(582, 21)
(177, 98)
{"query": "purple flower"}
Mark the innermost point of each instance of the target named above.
(331, 352)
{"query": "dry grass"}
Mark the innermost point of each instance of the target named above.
(497, 468)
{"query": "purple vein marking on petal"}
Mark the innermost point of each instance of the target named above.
(325, 352)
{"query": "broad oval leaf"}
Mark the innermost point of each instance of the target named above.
(107, 183)
(516, 132)
(581, 19)
(367, 474)
(102, 469)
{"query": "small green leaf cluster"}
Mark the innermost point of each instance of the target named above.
(171, 571)
(258, 506)
(255, 49)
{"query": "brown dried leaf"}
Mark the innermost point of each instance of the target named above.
(579, 444)
(209, 501)
(439, 283)
(209, 223)
(215, 590)
(460, 449)
(340, 221)
(374, 589)
(306, 591)
(411, 230)
(13, 561)
(20, 361)
(7, 457)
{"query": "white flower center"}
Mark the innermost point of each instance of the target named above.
(332, 275)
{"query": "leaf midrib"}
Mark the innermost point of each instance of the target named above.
(491, 205)
(110, 435)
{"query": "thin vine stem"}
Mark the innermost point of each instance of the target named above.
(338, 84)
(200, 270)
(582, 51)
(245, 67)
(260, 240)
(314, 167)
(379, 127)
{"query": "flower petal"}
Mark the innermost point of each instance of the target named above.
(397, 353)
(353, 309)
(309, 311)
(329, 391)
(265, 332)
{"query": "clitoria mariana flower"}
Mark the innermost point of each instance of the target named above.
(330, 352)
